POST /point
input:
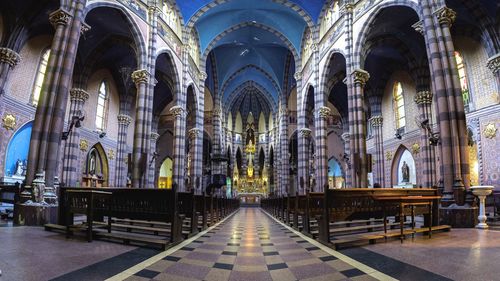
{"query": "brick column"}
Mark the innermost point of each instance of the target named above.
(216, 144)
(346, 137)
(379, 177)
(141, 133)
(71, 174)
(152, 163)
(284, 158)
(357, 126)
(194, 137)
(8, 60)
(304, 172)
(121, 150)
(494, 65)
(179, 146)
(322, 148)
(423, 99)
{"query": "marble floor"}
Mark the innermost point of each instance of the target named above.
(249, 245)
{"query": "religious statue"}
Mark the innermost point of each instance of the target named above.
(405, 171)
(20, 168)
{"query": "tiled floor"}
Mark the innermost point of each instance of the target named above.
(250, 246)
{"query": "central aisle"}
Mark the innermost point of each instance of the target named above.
(250, 246)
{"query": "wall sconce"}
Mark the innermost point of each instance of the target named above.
(76, 121)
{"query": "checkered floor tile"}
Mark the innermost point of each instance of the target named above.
(250, 246)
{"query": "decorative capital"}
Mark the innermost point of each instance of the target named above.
(297, 75)
(59, 17)
(124, 119)
(346, 137)
(154, 10)
(140, 76)
(186, 48)
(193, 133)
(324, 112)
(78, 95)
(155, 136)
(360, 76)
(84, 145)
(419, 27)
(445, 15)
(283, 110)
(85, 28)
(9, 121)
(9, 56)
(305, 132)
(216, 111)
(490, 131)
(177, 111)
(377, 121)
(203, 75)
(348, 8)
(494, 63)
(314, 47)
(423, 97)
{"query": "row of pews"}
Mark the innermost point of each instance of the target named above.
(346, 217)
(157, 217)
(10, 194)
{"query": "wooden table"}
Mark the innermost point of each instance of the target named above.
(407, 201)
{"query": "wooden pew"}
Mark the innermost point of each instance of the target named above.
(187, 207)
(201, 208)
(11, 194)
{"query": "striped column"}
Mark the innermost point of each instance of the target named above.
(49, 120)
(8, 60)
(357, 125)
(141, 135)
(304, 135)
(179, 146)
(346, 137)
(379, 177)
(121, 150)
(493, 64)
(70, 173)
(152, 163)
(216, 144)
(194, 135)
(284, 158)
(423, 99)
(322, 149)
(200, 119)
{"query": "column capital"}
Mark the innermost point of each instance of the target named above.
(78, 94)
(314, 46)
(423, 97)
(216, 111)
(494, 63)
(59, 17)
(324, 112)
(377, 121)
(153, 9)
(360, 76)
(203, 75)
(154, 136)
(124, 119)
(419, 27)
(186, 48)
(140, 76)
(85, 28)
(283, 110)
(348, 8)
(305, 132)
(193, 133)
(445, 15)
(297, 75)
(9, 56)
(177, 111)
(346, 137)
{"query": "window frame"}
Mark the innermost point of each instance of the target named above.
(43, 62)
(465, 77)
(105, 105)
(397, 97)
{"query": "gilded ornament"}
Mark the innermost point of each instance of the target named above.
(111, 154)
(388, 155)
(9, 56)
(140, 76)
(415, 148)
(59, 17)
(9, 121)
(446, 15)
(84, 145)
(494, 63)
(360, 76)
(490, 131)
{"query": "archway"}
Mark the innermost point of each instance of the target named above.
(165, 178)
(17, 154)
(96, 167)
(403, 169)
(336, 177)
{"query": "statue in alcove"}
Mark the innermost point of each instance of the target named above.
(405, 171)
(20, 168)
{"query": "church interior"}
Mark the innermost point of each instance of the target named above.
(249, 140)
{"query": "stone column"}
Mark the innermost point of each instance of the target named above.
(494, 65)
(121, 151)
(179, 146)
(304, 171)
(141, 132)
(285, 159)
(8, 60)
(423, 99)
(152, 162)
(357, 126)
(322, 148)
(377, 122)
(71, 173)
(193, 135)
(347, 152)
(216, 144)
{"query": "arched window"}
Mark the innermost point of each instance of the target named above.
(102, 104)
(462, 75)
(40, 76)
(399, 106)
